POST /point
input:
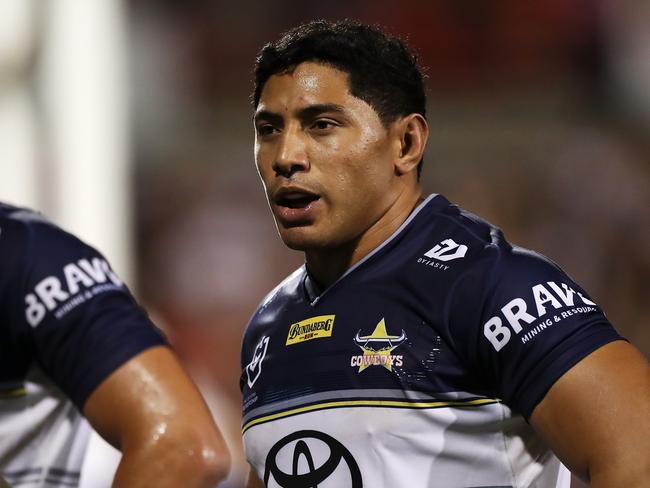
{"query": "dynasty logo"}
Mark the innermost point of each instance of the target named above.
(378, 349)
(445, 251)
(311, 328)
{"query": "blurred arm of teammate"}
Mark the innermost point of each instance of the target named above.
(151, 410)
(253, 480)
(596, 417)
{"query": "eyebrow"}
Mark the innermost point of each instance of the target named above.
(272, 117)
(313, 110)
(306, 113)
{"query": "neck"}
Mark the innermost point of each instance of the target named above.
(329, 264)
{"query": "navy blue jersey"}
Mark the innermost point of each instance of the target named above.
(67, 322)
(420, 363)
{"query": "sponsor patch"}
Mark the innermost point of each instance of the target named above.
(553, 302)
(311, 328)
(60, 294)
(443, 252)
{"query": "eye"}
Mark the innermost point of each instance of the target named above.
(265, 130)
(324, 124)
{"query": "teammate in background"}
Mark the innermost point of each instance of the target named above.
(73, 341)
(416, 347)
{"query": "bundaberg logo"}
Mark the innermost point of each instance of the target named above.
(311, 328)
(378, 348)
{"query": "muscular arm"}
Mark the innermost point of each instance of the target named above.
(596, 417)
(150, 410)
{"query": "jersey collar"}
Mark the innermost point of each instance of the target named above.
(312, 290)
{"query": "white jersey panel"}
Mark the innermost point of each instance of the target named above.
(394, 447)
(42, 436)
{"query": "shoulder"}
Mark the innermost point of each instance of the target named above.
(492, 270)
(47, 250)
(33, 248)
(16, 227)
(511, 313)
(444, 244)
(36, 236)
(475, 243)
(47, 269)
(22, 218)
(280, 297)
(453, 234)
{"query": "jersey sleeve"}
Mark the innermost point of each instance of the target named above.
(530, 323)
(81, 320)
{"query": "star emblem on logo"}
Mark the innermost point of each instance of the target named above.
(378, 346)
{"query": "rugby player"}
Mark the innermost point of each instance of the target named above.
(74, 341)
(416, 347)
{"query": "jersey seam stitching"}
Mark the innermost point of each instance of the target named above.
(505, 448)
(468, 229)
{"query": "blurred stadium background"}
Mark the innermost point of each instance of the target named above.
(128, 122)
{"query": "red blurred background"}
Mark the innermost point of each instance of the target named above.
(539, 116)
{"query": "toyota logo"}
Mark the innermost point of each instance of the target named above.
(314, 475)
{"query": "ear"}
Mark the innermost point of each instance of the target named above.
(413, 132)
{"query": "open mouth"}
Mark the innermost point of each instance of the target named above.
(296, 199)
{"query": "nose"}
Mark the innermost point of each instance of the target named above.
(291, 156)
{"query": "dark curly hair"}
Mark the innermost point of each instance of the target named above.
(383, 71)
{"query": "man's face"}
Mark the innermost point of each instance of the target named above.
(326, 160)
